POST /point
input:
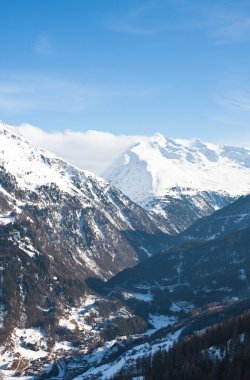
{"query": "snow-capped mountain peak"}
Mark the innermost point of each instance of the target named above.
(192, 164)
(158, 171)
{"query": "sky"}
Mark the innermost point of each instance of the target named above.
(126, 68)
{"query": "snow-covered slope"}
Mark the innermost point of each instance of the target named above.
(35, 178)
(160, 171)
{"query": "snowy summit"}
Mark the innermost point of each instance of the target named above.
(159, 172)
(154, 167)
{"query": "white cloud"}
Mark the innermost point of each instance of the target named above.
(90, 150)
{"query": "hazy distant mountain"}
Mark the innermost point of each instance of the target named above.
(181, 180)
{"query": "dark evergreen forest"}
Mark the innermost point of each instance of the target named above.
(220, 353)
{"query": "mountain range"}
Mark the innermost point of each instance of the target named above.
(91, 280)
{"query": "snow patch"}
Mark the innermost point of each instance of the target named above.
(242, 273)
(5, 220)
(159, 321)
(147, 297)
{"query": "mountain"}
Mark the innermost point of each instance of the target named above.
(181, 180)
(232, 218)
(208, 262)
(59, 226)
(188, 276)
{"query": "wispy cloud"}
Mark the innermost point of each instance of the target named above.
(230, 26)
(42, 46)
(126, 26)
(233, 111)
(235, 101)
(133, 21)
(22, 92)
(233, 123)
(224, 23)
(27, 92)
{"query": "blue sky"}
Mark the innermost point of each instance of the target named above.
(127, 67)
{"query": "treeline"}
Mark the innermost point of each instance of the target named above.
(222, 352)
